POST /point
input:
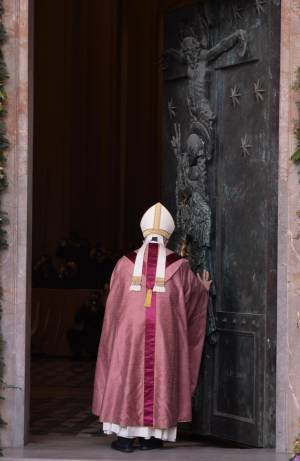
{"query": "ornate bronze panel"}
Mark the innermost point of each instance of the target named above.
(221, 69)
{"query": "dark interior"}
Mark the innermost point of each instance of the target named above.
(96, 169)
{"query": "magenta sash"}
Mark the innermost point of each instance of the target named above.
(150, 314)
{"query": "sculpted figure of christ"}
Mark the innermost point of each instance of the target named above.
(192, 201)
(193, 210)
(198, 60)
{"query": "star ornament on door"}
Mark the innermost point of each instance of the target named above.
(258, 91)
(236, 13)
(245, 146)
(260, 6)
(171, 109)
(235, 94)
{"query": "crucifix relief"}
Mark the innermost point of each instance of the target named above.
(192, 201)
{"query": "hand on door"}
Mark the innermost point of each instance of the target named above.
(205, 279)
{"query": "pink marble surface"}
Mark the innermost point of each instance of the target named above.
(288, 335)
(14, 275)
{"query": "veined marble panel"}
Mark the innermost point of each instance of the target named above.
(288, 334)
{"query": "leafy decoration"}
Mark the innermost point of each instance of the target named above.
(296, 155)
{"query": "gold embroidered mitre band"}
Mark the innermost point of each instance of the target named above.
(162, 232)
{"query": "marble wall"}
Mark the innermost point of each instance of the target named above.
(288, 334)
(15, 262)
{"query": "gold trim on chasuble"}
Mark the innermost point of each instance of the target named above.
(136, 280)
(148, 298)
(160, 282)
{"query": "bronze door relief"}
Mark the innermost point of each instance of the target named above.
(221, 72)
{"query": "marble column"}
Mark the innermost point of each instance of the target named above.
(15, 262)
(288, 334)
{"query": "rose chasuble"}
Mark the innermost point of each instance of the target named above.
(152, 338)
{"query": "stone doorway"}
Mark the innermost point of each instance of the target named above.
(67, 177)
(16, 315)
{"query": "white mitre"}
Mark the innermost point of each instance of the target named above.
(156, 222)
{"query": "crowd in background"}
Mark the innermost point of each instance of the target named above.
(76, 264)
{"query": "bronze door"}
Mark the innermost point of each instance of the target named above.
(221, 73)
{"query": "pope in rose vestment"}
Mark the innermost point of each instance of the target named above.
(152, 339)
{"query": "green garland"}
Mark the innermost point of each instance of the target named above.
(3, 181)
(296, 446)
(296, 155)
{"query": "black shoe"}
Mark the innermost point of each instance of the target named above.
(123, 444)
(150, 444)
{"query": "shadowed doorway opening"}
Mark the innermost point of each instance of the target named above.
(96, 169)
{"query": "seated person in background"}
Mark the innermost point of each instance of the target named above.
(44, 274)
